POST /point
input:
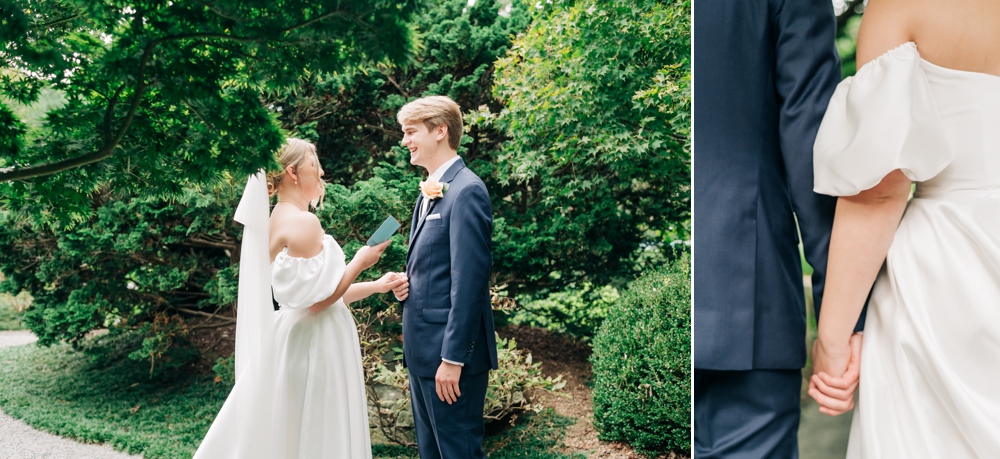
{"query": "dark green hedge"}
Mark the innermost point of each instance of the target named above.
(642, 363)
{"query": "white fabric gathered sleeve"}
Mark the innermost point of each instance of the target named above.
(302, 282)
(882, 119)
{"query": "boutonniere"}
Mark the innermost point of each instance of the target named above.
(433, 189)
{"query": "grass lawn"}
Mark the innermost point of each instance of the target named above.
(61, 391)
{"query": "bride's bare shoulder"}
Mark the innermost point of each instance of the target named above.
(300, 231)
(956, 35)
(886, 24)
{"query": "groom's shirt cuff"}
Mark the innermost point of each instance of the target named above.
(453, 363)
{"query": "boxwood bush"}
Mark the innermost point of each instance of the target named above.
(642, 363)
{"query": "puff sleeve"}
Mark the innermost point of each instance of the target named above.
(302, 282)
(882, 119)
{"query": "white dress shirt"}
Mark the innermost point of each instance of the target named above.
(436, 176)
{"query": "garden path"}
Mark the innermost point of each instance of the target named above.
(19, 441)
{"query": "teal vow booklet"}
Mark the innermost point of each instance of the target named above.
(384, 232)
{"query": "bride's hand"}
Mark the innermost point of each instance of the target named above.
(391, 282)
(368, 256)
(835, 394)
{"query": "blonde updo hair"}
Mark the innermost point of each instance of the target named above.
(292, 153)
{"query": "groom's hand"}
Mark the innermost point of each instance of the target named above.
(447, 382)
(402, 290)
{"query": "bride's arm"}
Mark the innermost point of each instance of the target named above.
(863, 229)
(364, 259)
(362, 290)
(864, 224)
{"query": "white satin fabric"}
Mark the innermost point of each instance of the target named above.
(930, 369)
(300, 389)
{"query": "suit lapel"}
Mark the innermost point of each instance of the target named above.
(416, 215)
(413, 230)
(418, 223)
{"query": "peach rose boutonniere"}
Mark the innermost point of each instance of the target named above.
(433, 189)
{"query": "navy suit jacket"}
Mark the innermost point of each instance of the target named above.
(764, 71)
(448, 313)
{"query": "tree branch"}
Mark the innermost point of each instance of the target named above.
(106, 150)
(109, 113)
(201, 313)
(58, 21)
(196, 241)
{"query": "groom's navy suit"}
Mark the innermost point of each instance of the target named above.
(448, 314)
(764, 71)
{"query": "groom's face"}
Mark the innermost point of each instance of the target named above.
(422, 142)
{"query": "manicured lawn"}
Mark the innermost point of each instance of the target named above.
(62, 391)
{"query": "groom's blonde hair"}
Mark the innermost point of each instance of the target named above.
(434, 111)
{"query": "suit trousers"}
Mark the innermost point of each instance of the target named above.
(750, 414)
(453, 431)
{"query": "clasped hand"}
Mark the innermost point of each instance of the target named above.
(394, 282)
(836, 371)
(402, 289)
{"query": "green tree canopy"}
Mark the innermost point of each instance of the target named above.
(596, 164)
(162, 94)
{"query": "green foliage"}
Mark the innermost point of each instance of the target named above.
(642, 363)
(164, 344)
(12, 131)
(137, 256)
(225, 370)
(577, 312)
(352, 117)
(513, 385)
(596, 103)
(160, 95)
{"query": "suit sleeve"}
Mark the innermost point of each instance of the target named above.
(807, 70)
(470, 233)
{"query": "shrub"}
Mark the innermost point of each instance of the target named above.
(577, 312)
(509, 393)
(642, 363)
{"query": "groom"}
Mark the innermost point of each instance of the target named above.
(448, 338)
(764, 73)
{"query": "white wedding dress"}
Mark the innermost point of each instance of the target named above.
(300, 389)
(930, 367)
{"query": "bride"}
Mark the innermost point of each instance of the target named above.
(299, 389)
(924, 108)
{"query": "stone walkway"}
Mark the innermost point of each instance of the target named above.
(19, 441)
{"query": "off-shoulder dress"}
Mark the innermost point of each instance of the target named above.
(930, 369)
(319, 404)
